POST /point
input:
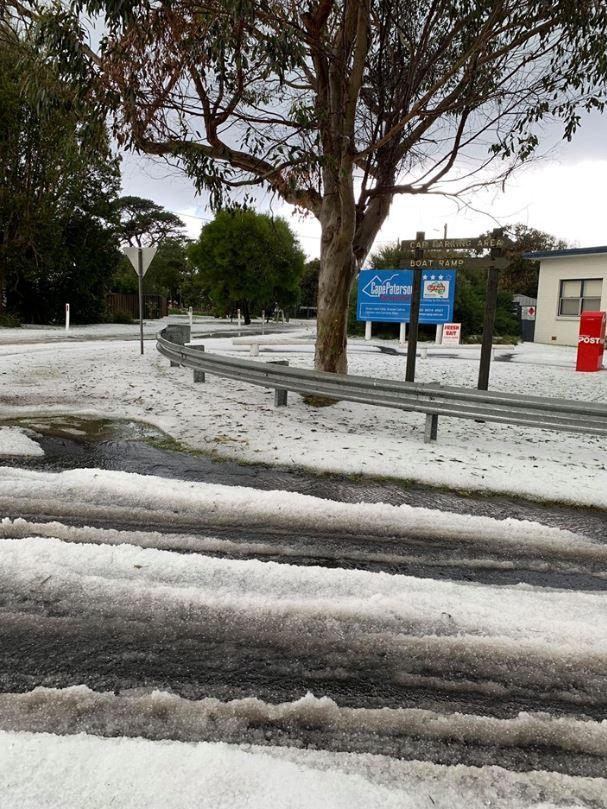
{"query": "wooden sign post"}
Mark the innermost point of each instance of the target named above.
(421, 247)
(489, 317)
(416, 297)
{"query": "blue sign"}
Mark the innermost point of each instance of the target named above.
(385, 296)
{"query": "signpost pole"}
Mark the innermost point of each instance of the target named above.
(367, 329)
(489, 318)
(67, 317)
(402, 337)
(414, 317)
(140, 276)
(439, 334)
(140, 258)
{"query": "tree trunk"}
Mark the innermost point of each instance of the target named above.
(344, 246)
(246, 313)
(337, 270)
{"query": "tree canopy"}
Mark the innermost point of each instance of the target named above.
(248, 261)
(142, 222)
(521, 275)
(338, 105)
(58, 179)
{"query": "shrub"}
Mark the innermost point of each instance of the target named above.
(122, 317)
(9, 321)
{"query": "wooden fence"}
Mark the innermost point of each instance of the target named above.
(154, 306)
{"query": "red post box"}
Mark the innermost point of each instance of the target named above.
(591, 342)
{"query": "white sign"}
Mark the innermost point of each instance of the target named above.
(528, 312)
(436, 289)
(147, 254)
(452, 334)
(376, 288)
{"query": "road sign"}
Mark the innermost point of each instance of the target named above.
(384, 296)
(474, 243)
(140, 258)
(147, 254)
(528, 312)
(459, 263)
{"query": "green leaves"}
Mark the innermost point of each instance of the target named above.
(247, 260)
(142, 222)
(57, 181)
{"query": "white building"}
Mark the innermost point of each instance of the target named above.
(571, 282)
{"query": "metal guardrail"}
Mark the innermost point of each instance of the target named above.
(432, 399)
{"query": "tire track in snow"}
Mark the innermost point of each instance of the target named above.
(527, 742)
(121, 617)
(88, 609)
(484, 562)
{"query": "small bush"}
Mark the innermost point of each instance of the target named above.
(122, 317)
(9, 321)
(498, 339)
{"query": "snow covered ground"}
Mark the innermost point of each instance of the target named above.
(131, 497)
(40, 771)
(111, 331)
(456, 639)
(15, 442)
(238, 421)
(183, 670)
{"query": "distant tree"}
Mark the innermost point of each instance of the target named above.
(249, 261)
(143, 222)
(389, 257)
(470, 292)
(521, 276)
(57, 182)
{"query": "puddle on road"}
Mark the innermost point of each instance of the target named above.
(128, 446)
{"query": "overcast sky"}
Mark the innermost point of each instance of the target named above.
(563, 194)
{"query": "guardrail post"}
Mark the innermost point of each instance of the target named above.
(431, 430)
(280, 394)
(178, 333)
(199, 376)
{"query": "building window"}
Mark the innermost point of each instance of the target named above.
(581, 295)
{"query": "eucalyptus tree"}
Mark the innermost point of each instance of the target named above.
(337, 106)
